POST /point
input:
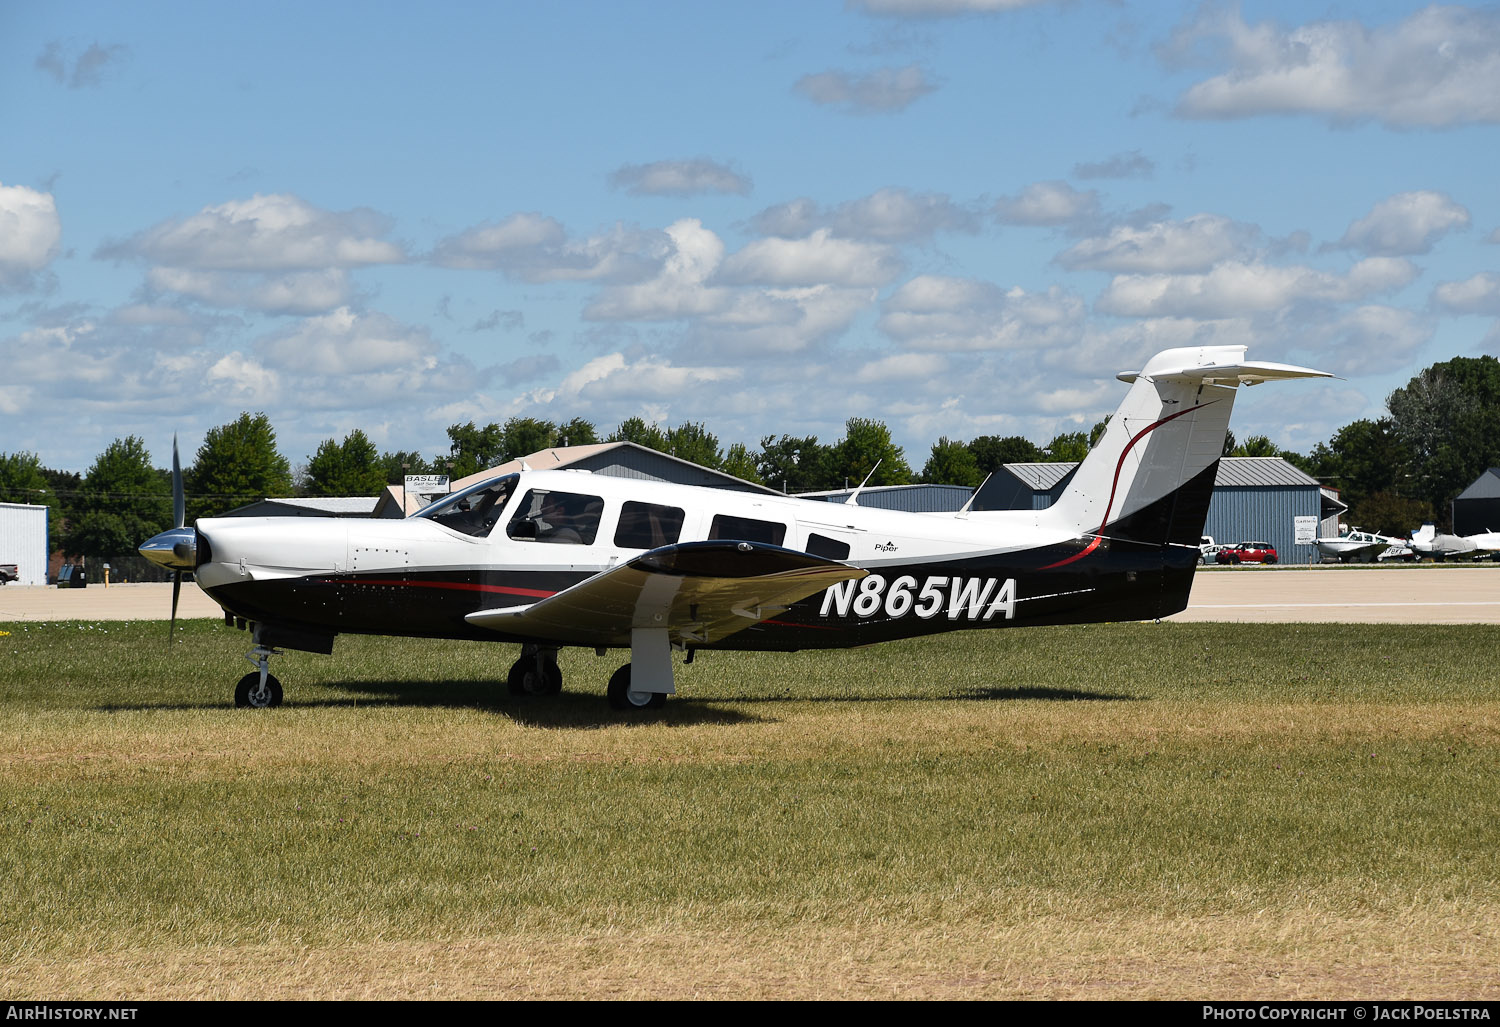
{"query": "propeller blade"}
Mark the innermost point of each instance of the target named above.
(179, 498)
(176, 591)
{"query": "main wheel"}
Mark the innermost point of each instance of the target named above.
(621, 697)
(531, 675)
(249, 693)
(1270, 559)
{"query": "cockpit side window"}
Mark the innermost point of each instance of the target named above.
(473, 511)
(566, 518)
(648, 526)
(828, 548)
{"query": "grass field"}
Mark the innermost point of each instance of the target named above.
(1185, 811)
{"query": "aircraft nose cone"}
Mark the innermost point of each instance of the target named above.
(175, 549)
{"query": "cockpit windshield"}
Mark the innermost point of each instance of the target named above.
(473, 511)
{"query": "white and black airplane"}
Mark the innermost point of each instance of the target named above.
(567, 558)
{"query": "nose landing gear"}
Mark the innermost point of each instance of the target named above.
(259, 689)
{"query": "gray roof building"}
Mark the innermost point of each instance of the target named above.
(1477, 508)
(616, 459)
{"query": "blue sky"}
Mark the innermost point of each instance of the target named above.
(961, 217)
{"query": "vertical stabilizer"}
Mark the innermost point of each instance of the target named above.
(1149, 478)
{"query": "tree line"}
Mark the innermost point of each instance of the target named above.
(1442, 431)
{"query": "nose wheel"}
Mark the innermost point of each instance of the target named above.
(259, 689)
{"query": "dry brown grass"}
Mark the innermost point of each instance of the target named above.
(1424, 954)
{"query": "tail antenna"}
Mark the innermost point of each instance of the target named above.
(854, 496)
(964, 510)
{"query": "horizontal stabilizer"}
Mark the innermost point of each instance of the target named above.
(1241, 373)
(700, 592)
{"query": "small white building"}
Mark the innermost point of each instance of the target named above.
(23, 541)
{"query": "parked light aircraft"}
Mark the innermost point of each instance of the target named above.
(1427, 542)
(567, 558)
(1356, 545)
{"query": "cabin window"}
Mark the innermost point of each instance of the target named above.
(564, 518)
(473, 511)
(828, 548)
(648, 526)
(746, 529)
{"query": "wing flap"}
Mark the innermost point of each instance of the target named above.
(700, 592)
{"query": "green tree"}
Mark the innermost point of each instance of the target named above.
(1066, 447)
(348, 468)
(951, 463)
(523, 436)
(1363, 460)
(475, 449)
(238, 463)
(795, 464)
(867, 446)
(741, 464)
(1449, 418)
(635, 429)
(578, 432)
(122, 502)
(23, 479)
(396, 466)
(692, 441)
(992, 452)
(1256, 445)
(1390, 514)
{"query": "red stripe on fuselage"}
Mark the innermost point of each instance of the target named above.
(509, 590)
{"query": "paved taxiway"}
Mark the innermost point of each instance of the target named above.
(1360, 595)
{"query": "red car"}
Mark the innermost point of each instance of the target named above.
(1247, 552)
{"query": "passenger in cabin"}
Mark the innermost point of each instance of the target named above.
(557, 521)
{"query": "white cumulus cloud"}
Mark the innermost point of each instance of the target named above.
(888, 215)
(264, 233)
(882, 91)
(1479, 294)
(818, 259)
(933, 312)
(1193, 244)
(304, 292)
(536, 248)
(30, 233)
(679, 178)
(1236, 288)
(1048, 203)
(1438, 67)
(345, 342)
(1407, 223)
(912, 368)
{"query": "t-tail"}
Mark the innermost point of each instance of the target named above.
(1149, 478)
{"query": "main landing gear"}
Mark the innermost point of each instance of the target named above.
(259, 689)
(622, 697)
(535, 673)
(642, 684)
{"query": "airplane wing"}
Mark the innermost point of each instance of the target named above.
(699, 591)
